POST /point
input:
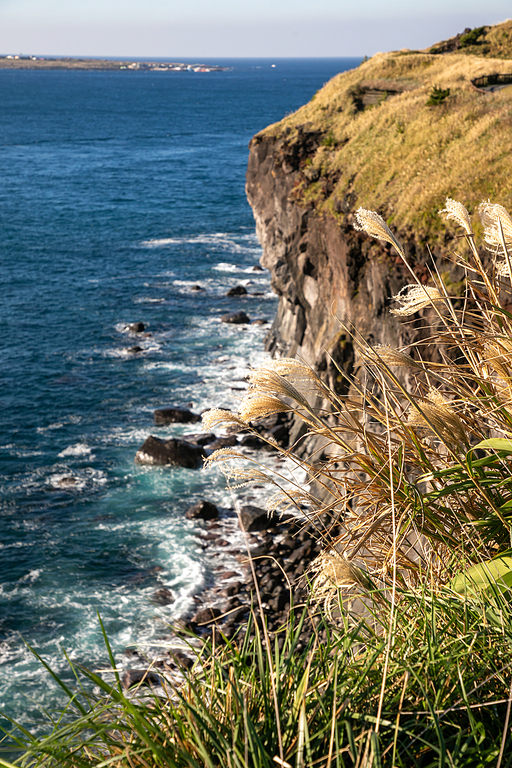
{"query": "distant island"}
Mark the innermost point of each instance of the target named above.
(10, 61)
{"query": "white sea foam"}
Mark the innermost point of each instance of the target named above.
(149, 300)
(247, 244)
(79, 449)
(56, 425)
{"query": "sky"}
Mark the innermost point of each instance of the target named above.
(235, 28)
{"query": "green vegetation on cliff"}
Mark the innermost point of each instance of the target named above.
(376, 137)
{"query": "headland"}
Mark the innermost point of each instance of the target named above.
(10, 61)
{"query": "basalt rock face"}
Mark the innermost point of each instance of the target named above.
(323, 272)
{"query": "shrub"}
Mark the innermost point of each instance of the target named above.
(471, 38)
(437, 96)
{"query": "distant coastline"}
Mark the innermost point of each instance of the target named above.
(40, 62)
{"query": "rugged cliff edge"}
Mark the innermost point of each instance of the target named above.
(398, 135)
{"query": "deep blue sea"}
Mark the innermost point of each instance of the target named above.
(119, 191)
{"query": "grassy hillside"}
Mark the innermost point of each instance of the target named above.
(383, 143)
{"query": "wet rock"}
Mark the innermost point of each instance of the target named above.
(301, 553)
(137, 327)
(259, 321)
(253, 518)
(232, 589)
(205, 615)
(252, 441)
(163, 596)
(197, 288)
(181, 659)
(237, 290)
(175, 415)
(134, 350)
(171, 452)
(223, 442)
(256, 268)
(236, 318)
(200, 438)
(203, 510)
(134, 677)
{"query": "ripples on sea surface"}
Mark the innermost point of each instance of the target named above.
(120, 191)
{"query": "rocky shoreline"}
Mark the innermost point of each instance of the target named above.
(280, 551)
(276, 551)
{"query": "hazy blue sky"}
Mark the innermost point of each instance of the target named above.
(224, 28)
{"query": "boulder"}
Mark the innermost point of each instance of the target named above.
(175, 415)
(140, 677)
(205, 615)
(222, 442)
(235, 318)
(197, 288)
(203, 510)
(200, 438)
(134, 350)
(253, 518)
(163, 596)
(137, 327)
(237, 290)
(173, 452)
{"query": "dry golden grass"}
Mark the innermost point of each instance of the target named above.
(401, 156)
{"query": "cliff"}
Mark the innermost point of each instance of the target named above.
(398, 135)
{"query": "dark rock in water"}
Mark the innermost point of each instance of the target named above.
(181, 659)
(252, 441)
(259, 321)
(203, 510)
(206, 615)
(163, 596)
(223, 442)
(238, 290)
(253, 518)
(197, 288)
(200, 438)
(175, 415)
(140, 677)
(256, 268)
(137, 327)
(236, 318)
(173, 452)
(134, 350)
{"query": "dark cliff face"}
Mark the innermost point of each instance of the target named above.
(323, 272)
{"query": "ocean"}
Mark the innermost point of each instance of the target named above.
(122, 193)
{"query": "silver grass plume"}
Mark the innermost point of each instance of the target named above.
(389, 356)
(295, 370)
(268, 381)
(491, 216)
(283, 500)
(333, 572)
(437, 415)
(224, 454)
(458, 212)
(375, 226)
(243, 477)
(217, 417)
(415, 297)
(498, 355)
(256, 406)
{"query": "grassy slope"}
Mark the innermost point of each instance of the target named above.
(404, 158)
